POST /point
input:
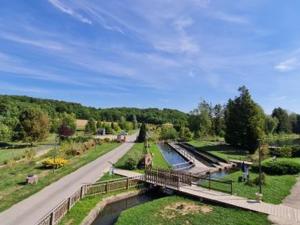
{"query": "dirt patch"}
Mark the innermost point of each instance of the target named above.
(184, 208)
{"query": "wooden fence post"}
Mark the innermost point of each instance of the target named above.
(69, 204)
(82, 192)
(52, 218)
(106, 187)
(127, 183)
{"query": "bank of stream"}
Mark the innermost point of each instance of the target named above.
(109, 215)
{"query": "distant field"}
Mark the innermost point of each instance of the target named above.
(80, 124)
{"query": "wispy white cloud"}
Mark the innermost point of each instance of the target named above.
(231, 18)
(65, 9)
(40, 43)
(288, 65)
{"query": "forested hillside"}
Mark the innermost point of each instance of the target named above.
(14, 104)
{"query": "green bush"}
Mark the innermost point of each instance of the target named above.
(281, 166)
(296, 151)
(130, 164)
(285, 152)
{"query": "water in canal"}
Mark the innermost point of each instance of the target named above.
(109, 215)
(170, 155)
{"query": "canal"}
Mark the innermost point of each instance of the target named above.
(109, 215)
(171, 156)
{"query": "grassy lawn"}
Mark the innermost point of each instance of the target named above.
(178, 210)
(219, 149)
(158, 159)
(11, 153)
(137, 152)
(12, 185)
(16, 150)
(84, 206)
(274, 191)
(107, 177)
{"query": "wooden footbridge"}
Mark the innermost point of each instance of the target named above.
(210, 190)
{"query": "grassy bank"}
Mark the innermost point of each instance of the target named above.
(138, 151)
(274, 191)
(178, 210)
(13, 188)
(220, 149)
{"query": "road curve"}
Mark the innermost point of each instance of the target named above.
(32, 209)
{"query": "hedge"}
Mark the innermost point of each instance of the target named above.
(281, 166)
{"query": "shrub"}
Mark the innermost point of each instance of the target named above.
(54, 163)
(130, 164)
(263, 179)
(281, 166)
(285, 151)
(30, 154)
(296, 151)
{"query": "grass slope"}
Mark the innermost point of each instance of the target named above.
(224, 151)
(13, 189)
(275, 190)
(137, 152)
(162, 211)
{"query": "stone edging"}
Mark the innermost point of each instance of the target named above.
(93, 214)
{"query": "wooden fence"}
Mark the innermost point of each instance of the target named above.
(56, 214)
(175, 179)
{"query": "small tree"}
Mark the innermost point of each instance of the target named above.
(67, 127)
(244, 121)
(185, 134)
(143, 134)
(5, 132)
(168, 132)
(90, 127)
(35, 125)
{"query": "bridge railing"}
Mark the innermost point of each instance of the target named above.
(175, 179)
(57, 213)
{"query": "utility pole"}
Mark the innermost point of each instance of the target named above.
(259, 165)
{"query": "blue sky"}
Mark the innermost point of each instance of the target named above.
(158, 53)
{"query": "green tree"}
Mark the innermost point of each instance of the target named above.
(134, 121)
(142, 134)
(168, 132)
(67, 126)
(185, 134)
(218, 122)
(294, 120)
(244, 121)
(90, 127)
(5, 133)
(35, 124)
(271, 124)
(282, 116)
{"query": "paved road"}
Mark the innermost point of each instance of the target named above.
(32, 209)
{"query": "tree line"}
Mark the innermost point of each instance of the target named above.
(242, 122)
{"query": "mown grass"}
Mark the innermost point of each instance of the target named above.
(12, 180)
(162, 211)
(138, 151)
(274, 191)
(221, 150)
(158, 159)
(82, 208)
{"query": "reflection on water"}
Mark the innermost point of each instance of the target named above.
(109, 215)
(170, 155)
